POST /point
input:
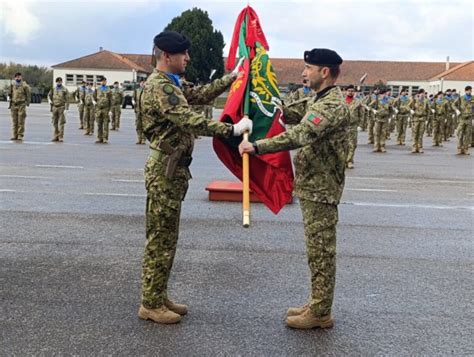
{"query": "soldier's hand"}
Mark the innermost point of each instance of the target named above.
(458, 112)
(236, 70)
(94, 102)
(245, 124)
(412, 111)
(246, 147)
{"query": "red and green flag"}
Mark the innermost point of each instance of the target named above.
(255, 94)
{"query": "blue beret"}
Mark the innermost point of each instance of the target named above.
(172, 42)
(322, 57)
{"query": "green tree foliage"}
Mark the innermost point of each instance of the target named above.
(207, 44)
(39, 77)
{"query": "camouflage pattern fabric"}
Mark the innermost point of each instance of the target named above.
(449, 122)
(371, 119)
(421, 108)
(138, 115)
(438, 121)
(89, 114)
(381, 117)
(356, 110)
(103, 97)
(116, 110)
(167, 118)
(80, 95)
(59, 98)
(464, 130)
(20, 96)
(320, 165)
(298, 95)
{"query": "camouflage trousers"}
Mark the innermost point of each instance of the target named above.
(102, 119)
(18, 114)
(417, 131)
(352, 136)
(163, 209)
(115, 116)
(58, 120)
(363, 122)
(448, 127)
(89, 118)
(391, 127)
(429, 125)
(438, 130)
(402, 122)
(139, 126)
(80, 108)
(320, 221)
(370, 128)
(380, 134)
(464, 132)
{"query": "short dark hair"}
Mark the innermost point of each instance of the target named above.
(334, 70)
(350, 86)
(59, 79)
(468, 88)
(17, 74)
(116, 82)
(421, 90)
(440, 92)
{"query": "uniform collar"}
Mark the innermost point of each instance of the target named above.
(323, 92)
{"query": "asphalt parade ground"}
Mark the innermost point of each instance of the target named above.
(72, 236)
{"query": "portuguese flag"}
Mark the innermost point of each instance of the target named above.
(256, 94)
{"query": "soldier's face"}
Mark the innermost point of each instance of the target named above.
(314, 75)
(468, 92)
(178, 62)
(350, 92)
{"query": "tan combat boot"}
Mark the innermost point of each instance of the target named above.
(20, 138)
(307, 320)
(162, 315)
(413, 150)
(105, 141)
(295, 311)
(459, 152)
(180, 309)
(350, 165)
(420, 150)
(383, 150)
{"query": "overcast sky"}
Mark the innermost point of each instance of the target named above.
(50, 32)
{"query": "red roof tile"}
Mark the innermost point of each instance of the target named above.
(462, 72)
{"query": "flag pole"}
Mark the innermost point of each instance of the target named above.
(246, 186)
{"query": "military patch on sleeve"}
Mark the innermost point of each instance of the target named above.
(168, 89)
(313, 118)
(173, 99)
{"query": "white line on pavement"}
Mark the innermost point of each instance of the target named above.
(409, 205)
(27, 142)
(408, 179)
(131, 181)
(60, 166)
(27, 177)
(370, 190)
(7, 190)
(112, 194)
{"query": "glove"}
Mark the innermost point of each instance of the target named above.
(133, 102)
(395, 110)
(412, 111)
(94, 102)
(8, 98)
(49, 101)
(243, 125)
(374, 111)
(432, 111)
(237, 68)
(458, 112)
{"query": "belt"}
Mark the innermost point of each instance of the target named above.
(18, 103)
(184, 160)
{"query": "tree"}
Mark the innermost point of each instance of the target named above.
(40, 77)
(207, 44)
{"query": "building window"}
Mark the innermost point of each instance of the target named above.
(89, 78)
(98, 78)
(414, 90)
(79, 78)
(395, 91)
(70, 79)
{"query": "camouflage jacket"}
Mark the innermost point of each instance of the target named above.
(89, 97)
(402, 103)
(450, 104)
(439, 107)
(465, 105)
(421, 108)
(59, 97)
(167, 115)
(137, 94)
(383, 106)
(356, 109)
(20, 93)
(322, 139)
(80, 94)
(117, 96)
(298, 95)
(103, 97)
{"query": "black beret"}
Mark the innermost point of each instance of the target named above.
(322, 57)
(171, 42)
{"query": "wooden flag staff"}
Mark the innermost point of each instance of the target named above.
(246, 186)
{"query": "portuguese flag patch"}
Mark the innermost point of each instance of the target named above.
(314, 119)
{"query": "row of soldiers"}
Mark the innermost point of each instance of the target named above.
(381, 114)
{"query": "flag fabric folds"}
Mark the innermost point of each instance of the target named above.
(255, 94)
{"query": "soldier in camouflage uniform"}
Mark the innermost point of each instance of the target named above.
(171, 126)
(439, 115)
(401, 106)
(137, 93)
(371, 116)
(58, 98)
(79, 95)
(450, 115)
(382, 109)
(464, 108)
(103, 100)
(19, 96)
(89, 112)
(429, 121)
(116, 110)
(356, 111)
(321, 137)
(420, 108)
(300, 93)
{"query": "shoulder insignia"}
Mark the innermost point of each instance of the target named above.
(313, 118)
(168, 89)
(173, 99)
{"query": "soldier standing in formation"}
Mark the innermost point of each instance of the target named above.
(464, 108)
(137, 94)
(371, 116)
(439, 114)
(321, 136)
(79, 95)
(356, 111)
(58, 98)
(449, 122)
(300, 93)
(402, 109)
(170, 126)
(381, 107)
(420, 108)
(19, 96)
(116, 109)
(103, 103)
(89, 112)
